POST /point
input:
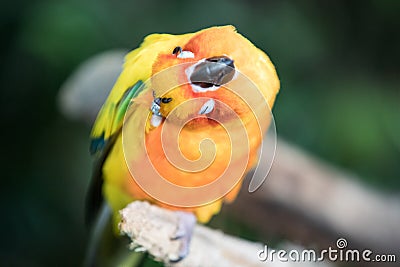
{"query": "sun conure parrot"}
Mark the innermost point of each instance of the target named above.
(212, 58)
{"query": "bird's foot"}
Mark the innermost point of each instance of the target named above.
(184, 231)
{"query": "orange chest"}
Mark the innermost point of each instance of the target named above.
(196, 156)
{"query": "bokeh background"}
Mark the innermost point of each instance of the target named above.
(338, 62)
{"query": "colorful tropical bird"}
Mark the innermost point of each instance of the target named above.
(200, 68)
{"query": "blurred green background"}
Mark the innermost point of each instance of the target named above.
(338, 62)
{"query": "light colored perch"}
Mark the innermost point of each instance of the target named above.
(151, 227)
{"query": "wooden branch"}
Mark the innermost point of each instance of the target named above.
(151, 227)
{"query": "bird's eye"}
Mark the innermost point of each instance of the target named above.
(166, 100)
(177, 50)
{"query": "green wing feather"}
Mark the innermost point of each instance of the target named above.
(116, 114)
(101, 147)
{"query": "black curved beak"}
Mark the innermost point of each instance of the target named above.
(214, 71)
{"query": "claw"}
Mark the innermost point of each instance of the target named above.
(184, 231)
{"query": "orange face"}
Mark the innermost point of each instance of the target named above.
(203, 66)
